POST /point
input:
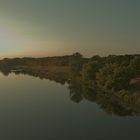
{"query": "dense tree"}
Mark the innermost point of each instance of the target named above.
(115, 77)
(90, 69)
(135, 65)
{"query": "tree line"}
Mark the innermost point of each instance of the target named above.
(113, 82)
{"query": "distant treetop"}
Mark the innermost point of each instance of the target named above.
(77, 54)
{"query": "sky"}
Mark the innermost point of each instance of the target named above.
(39, 28)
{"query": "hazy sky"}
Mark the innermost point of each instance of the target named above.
(57, 27)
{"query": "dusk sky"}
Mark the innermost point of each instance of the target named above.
(57, 27)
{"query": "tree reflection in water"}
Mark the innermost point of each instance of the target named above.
(120, 103)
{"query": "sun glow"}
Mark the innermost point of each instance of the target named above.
(11, 41)
(8, 38)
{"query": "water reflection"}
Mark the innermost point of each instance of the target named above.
(124, 103)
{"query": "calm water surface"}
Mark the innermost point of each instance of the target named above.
(35, 109)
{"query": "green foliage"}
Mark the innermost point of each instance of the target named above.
(89, 70)
(112, 72)
(76, 62)
(115, 77)
(135, 65)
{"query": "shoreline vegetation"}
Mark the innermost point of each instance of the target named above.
(113, 82)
